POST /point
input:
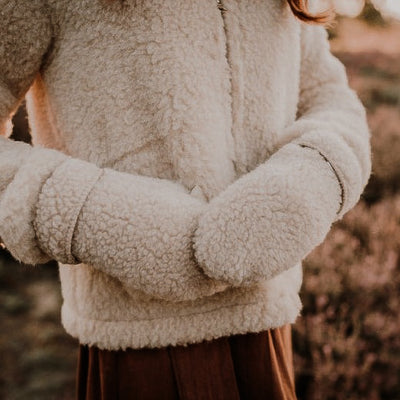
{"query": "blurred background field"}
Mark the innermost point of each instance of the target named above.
(347, 342)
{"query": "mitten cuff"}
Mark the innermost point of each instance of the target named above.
(59, 204)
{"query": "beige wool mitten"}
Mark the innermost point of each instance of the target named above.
(270, 219)
(137, 229)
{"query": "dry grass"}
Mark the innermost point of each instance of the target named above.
(347, 343)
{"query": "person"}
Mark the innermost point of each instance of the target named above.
(187, 155)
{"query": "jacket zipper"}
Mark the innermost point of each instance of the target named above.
(222, 9)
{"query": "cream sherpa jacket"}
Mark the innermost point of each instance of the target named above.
(186, 158)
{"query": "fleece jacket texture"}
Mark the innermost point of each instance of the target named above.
(186, 157)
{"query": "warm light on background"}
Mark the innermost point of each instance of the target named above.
(352, 8)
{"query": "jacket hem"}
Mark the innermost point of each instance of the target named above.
(181, 330)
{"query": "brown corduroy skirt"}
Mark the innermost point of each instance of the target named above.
(251, 366)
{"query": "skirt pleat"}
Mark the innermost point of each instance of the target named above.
(252, 366)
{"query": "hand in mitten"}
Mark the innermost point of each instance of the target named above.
(270, 219)
(137, 229)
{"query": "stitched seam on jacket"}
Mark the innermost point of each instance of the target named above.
(335, 171)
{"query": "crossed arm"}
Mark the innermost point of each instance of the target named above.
(142, 230)
(275, 215)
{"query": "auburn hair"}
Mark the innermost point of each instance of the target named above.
(300, 10)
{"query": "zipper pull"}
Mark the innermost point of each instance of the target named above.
(221, 6)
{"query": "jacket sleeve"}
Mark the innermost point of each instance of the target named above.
(25, 36)
(271, 218)
(135, 228)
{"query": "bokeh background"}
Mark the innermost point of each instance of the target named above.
(347, 342)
